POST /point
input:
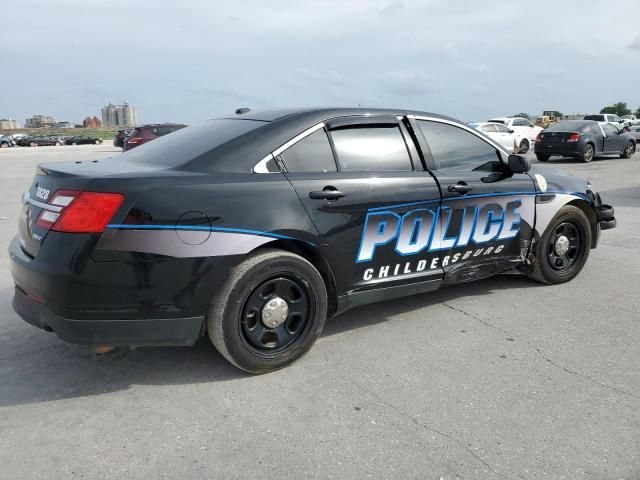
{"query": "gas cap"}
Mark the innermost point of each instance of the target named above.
(193, 228)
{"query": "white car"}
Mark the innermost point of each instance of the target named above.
(521, 125)
(511, 140)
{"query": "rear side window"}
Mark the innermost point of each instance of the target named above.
(311, 154)
(454, 148)
(502, 129)
(519, 122)
(371, 148)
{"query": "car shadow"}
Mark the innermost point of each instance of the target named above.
(563, 160)
(38, 367)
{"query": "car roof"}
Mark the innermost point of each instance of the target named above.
(274, 128)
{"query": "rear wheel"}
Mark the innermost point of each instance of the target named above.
(269, 312)
(524, 146)
(542, 157)
(4, 145)
(629, 150)
(563, 248)
(97, 142)
(33, 144)
(57, 144)
(74, 143)
(587, 153)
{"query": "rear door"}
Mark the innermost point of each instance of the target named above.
(487, 214)
(365, 189)
(507, 137)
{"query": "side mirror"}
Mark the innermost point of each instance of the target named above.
(511, 131)
(519, 164)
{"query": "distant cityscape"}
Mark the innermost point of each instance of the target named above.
(113, 116)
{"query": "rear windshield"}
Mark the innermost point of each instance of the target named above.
(188, 143)
(497, 121)
(569, 126)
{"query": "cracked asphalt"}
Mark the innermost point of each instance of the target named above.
(502, 378)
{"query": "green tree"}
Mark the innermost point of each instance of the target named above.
(619, 109)
(637, 112)
(522, 114)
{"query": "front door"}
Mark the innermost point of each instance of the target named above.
(359, 179)
(613, 141)
(486, 215)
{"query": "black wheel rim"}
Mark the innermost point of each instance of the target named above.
(565, 246)
(588, 152)
(270, 340)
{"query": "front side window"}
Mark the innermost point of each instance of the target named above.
(454, 148)
(609, 129)
(311, 154)
(370, 148)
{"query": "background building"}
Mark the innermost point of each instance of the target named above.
(8, 124)
(119, 115)
(40, 121)
(92, 122)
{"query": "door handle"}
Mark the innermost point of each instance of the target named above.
(326, 194)
(460, 187)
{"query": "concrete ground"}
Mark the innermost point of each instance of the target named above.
(503, 378)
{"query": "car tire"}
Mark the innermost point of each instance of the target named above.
(237, 320)
(97, 142)
(542, 157)
(588, 152)
(33, 144)
(57, 144)
(524, 146)
(74, 143)
(629, 150)
(4, 145)
(551, 265)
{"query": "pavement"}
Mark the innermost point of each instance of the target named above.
(503, 378)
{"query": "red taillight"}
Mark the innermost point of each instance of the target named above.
(538, 138)
(81, 212)
(135, 140)
(574, 137)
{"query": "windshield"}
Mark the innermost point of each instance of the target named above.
(188, 143)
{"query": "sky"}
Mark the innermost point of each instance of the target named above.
(192, 60)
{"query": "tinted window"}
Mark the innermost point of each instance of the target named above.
(520, 122)
(311, 154)
(597, 118)
(568, 126)
(190, 142)
(502, 129)
(496, 121)
(456, 149)
(371, 148)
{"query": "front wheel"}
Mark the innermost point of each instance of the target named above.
(524, 146)
(629, 150)
(269, 312)
(542, 157)
(563, 248)
(587, 153)
(97, 142)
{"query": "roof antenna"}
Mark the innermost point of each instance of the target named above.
(240, 111)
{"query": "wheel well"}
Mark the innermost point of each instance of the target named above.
(591, 215)
(318, 261)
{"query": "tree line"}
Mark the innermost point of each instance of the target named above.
(620, 109)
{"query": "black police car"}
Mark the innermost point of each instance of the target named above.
(254, 229)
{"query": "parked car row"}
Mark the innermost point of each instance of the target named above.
(22, 140)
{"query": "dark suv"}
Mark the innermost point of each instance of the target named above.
(146, 133)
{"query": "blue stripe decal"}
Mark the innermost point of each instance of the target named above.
(482, 195)
(198, 227)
